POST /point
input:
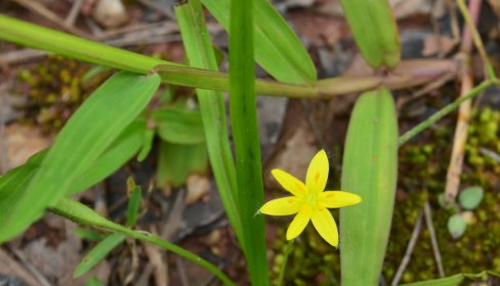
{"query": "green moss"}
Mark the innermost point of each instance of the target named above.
(55, 89)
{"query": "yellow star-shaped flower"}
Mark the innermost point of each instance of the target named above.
(310, 201)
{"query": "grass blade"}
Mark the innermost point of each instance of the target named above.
(369, 170)
(111, 108)
(98, 253)
(201, 55)
(243, 112)
(277, 48)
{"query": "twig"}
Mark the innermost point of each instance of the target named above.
(432, 232)
(31, 268)
(73, 13)
(41, 10)
(470, 30)
(409, 250)
(490, 153)
(182, 274)
(460, 137)
(158, 9)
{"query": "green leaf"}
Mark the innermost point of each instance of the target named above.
(277, 49)
(456, 225)
(93, 281)
(120, 151)
(88, 234)
(200, 53)
(244, 126)
(13, 184)
(455, 279)
(101, 250)
(369, 170)
(471, 197)
(88, 133)
(134, 205)
(147, 145)
(176, 162)
(179, 125)
(375, 31)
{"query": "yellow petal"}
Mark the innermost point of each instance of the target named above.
(338, 199)
(325, 225)
(289, 182)
(317, 173)
(299, 222)
(282, 206)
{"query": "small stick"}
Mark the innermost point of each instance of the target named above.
(41, 10)
(464, 112)
(73, 13)
(31, 268)
(182, 273)
(409, 250)
(158, 9)
(432, 232)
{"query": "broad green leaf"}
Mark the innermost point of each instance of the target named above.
(471, 197)
(90, 131)
(200, 54)
(179, 125)
(375, 31)
(369, 170)
(457, 225)
(82, 214)
(176, 162)
(277, 49)
(101, 250)
(244, 127)
(120, 151)
(134, 203)
(455, 280)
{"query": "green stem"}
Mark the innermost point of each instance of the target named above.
(286, 254)
(244, 125)
(443, 112)
(80, 213)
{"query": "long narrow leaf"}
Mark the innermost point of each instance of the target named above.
(277, 49)
(369, 170)
(101, 250)
(95, 125)
(200, 54)
(243, 112)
